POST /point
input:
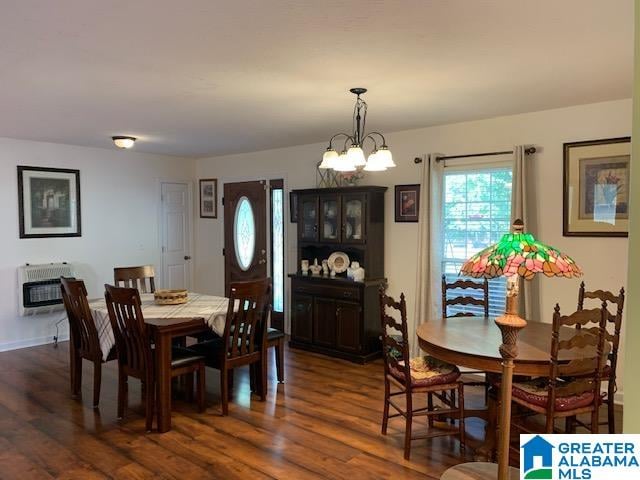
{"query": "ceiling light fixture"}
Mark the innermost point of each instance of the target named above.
(352, 157)
(123, 141)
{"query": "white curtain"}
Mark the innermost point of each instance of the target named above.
(429, 268)
(522, 201)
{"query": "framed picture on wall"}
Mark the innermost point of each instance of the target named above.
(49, 202)
(596, 188)
(208, 198)
(407, 202)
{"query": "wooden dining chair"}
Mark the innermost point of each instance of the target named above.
(410, 376)
(462, 293)
(142, 278)
(244, 341)
(572, 387)
(135, 356)
(477, 296)
(84, 340)
(614, 326)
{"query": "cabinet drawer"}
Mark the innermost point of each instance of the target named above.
(331, 291)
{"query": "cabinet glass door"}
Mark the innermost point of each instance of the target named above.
(329, 219)
(308, 217)
(353, 211)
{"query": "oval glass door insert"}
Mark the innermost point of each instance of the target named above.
(244, 233)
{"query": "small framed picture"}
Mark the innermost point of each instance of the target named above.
(596, 188)
(293, 207)
(208, 198)
(49, 202)
(407, 202)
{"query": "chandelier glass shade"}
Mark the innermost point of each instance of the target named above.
(352, 156)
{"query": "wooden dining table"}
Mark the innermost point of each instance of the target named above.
(201, 314)
(473, 342)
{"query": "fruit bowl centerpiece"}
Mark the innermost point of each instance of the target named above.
(170, 297)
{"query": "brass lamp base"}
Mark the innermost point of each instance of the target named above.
(511, 320)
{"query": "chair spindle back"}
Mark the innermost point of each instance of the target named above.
(135, 277)
(614, 320)
(247, 316)
(83, 329)
(586, 370)
(479, 288)
(127, 322)
(395, 348)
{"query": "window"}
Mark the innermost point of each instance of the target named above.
(476, 213)
(277, 220)
(244, 233)
(277, 228)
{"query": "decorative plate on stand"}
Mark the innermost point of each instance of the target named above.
(338, 262)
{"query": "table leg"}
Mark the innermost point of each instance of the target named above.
(163, 381)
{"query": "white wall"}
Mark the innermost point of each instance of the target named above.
(120, 198)
(604, 260)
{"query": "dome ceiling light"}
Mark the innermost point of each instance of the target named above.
(124, 141)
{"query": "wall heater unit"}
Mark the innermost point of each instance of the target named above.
(39, 287)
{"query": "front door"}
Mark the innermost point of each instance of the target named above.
(245, 231)
(176, 236)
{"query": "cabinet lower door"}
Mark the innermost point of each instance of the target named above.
(302, 319)
(348, 326)
(324, 322)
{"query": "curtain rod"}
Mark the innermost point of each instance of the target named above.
(528, 151)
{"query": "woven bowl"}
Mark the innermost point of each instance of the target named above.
(170, 297)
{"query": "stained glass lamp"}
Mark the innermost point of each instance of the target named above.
(517, 254)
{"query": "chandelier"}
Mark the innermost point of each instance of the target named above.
(351, 156)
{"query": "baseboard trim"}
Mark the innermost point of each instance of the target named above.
(31, 342)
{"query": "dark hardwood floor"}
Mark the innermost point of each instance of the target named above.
(324, 422)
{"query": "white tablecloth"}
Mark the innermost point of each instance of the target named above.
(212, 309)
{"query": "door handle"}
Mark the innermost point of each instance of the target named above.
(187, 257)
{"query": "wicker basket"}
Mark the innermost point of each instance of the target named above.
(170, 297)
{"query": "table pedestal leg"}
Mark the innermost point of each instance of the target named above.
(163, 381)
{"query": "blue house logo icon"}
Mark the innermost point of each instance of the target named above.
(537, 459)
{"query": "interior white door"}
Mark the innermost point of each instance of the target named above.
(176, 236)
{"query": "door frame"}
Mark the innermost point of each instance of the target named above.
(192, 229)
(273, 175)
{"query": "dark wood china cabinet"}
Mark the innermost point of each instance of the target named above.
(338, 316)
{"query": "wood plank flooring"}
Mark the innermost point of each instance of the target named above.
(324, 422)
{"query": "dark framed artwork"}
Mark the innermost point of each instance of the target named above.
(293, 207)
(49, 202)
(208, 198)
(407, 202)
(596, 188)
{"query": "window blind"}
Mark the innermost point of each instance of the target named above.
(476, 213)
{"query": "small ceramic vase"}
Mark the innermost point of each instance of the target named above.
(325, 267)
(304, 266)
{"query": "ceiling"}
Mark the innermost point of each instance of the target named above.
(209, 77)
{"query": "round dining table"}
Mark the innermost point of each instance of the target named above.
(473, 342)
